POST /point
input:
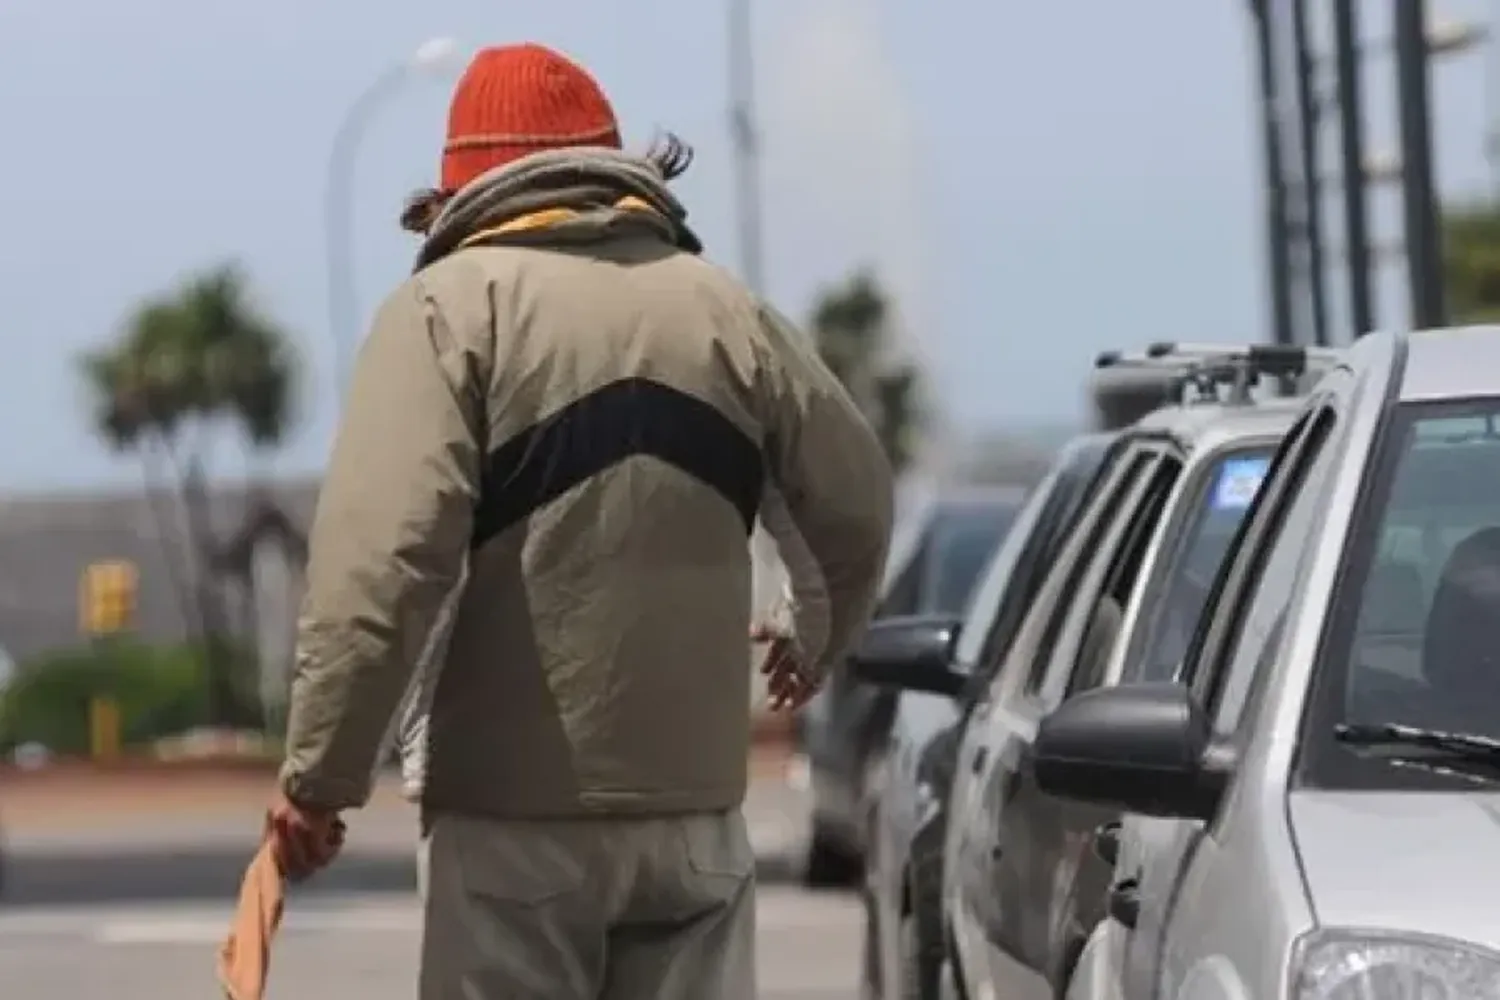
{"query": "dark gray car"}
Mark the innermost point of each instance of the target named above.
(903, 882)
(936, 558)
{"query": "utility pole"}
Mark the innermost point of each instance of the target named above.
(1352, 155)
(745, 135)
(1423, 250)
(1492, 102)
(1277, 258)
(1309, 112)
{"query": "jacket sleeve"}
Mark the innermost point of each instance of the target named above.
(388, 545)
(834, 477)
(802, 610)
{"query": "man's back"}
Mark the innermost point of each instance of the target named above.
(569, 422)
(597, 659)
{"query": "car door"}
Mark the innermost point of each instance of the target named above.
(971, 904)
(1008, 572)
(1239, 637)
(1002, 602)
(1037, 842)
(871, 706)
(1113, 475)
(843, 717)
(1009, 583)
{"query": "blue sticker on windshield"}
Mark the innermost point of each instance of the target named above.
(1239, 479)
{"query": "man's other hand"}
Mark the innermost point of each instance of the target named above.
(788, 679)
(304, 839)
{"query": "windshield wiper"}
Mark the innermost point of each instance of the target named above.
(1468, 754)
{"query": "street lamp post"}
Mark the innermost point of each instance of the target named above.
(745, 136)
(1312, 194)
(1413, 70)
(432, 56)
(1277, 237)
(1356, 172)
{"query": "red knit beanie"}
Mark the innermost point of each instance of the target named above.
(518, 99)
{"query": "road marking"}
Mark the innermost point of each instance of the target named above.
(407, 920)
(159, 932)
(778, 908)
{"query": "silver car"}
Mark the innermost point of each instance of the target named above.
(939, 549)
(904, 931)
(1017, 889)
(1315, 810)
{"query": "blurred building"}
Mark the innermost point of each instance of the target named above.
(48, 541)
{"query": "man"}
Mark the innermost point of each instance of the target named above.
(559, 434)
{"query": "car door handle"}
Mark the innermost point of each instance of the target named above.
(1107, 842)
(1125, 902)
(980, 756)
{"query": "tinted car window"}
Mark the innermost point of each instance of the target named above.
(963, 540)
(905, 594)
(1218, 509)
(1017, 569)
(1423, 647)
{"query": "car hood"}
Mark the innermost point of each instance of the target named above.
(1403, 861)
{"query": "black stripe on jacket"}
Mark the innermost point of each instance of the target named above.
(632, 416)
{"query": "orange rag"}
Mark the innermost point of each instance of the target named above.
(245, 955)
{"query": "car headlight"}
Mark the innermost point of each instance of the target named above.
(1373, 965)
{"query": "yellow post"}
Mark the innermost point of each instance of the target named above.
(107, 597)
(104, 728)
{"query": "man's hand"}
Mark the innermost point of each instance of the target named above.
(305, 839)
(788, 679)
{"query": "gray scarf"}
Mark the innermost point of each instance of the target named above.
(590, 181)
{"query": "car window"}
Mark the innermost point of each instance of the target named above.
(1001, 573)
(1219, 502)
(1259, 582)
(901, 585)
(963, 540)
(1067, 574)
(1100, 606)
(1423, 572)
(1019, 566)
(905, 593)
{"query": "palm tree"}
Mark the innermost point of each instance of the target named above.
(851, 324)
(1471, 261)
(183, 365)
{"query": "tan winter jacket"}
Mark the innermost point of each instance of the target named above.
(572, 413)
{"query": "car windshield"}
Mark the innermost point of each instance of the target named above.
(964, 538)
(1218, 509)
(1418, 642)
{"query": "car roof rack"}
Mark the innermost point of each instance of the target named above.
(1222, 373)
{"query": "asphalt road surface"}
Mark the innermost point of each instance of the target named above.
(135, 913)
(202, 859)
(363, 947)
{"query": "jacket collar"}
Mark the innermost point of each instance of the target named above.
(572, 196)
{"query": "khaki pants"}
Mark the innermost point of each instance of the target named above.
(588, 910)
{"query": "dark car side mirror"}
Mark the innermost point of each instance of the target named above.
(910, 652)
(1141, 748)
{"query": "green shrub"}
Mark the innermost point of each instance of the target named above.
(160, 690)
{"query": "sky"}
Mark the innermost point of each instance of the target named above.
(1036, 182)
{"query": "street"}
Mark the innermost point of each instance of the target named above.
(361, 946)
(135, 910)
